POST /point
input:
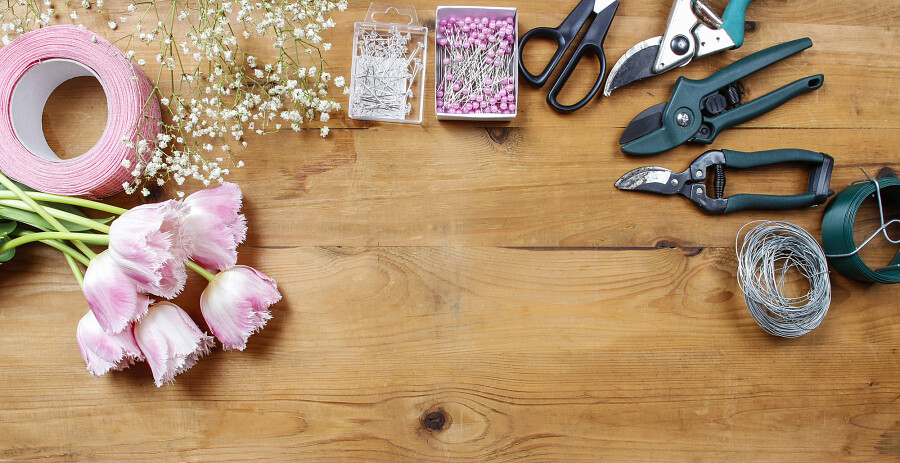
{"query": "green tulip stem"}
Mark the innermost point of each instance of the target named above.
(75, 270)
(51, 198)
(37, 208)
(56, 244)
(62, 215)
(202, 271)
(76, 238)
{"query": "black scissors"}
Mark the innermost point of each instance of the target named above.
(592, 42)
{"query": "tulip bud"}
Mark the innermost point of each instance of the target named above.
(236, 304)
(149, 244)
(103, 352)
(171, 341)
(215, 225)
(112, 296)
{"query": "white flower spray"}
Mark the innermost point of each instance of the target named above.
(212, 81)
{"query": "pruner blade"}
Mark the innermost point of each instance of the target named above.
(650, 178)
(636, 64)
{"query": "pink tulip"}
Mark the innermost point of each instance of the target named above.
(149, 244)
(112, 296)
(216, 225)
(171, 341)
(103, 352)
(236, 304)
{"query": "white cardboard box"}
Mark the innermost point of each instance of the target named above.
(459, 12)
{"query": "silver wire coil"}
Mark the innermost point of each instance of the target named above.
(769, 252)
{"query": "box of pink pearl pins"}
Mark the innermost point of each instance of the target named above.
(476, 63)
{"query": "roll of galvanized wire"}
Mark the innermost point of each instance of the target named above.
(770, 252)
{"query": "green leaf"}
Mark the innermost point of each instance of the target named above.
(7, 227)
(8, 254)
(35, 220)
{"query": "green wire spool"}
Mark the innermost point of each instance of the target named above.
(837, 231)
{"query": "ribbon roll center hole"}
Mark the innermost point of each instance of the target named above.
(59, 109)
(74, 117)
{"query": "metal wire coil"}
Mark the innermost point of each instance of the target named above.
(770, 251)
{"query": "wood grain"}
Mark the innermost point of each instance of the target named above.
(480, 292)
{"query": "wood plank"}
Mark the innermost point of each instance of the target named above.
(503, 186)
(462, 187)
(532, 354)
(854, 50)
(491, 274)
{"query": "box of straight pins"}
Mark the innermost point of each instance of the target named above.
(476, 63)
(387, 76)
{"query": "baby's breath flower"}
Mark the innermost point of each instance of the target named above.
(112, 25)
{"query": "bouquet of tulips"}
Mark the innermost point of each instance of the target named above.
(149, 248)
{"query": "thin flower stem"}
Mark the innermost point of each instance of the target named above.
(5, 181)
(74, 237)
(62, 215)
(75, 270)
(51, 198)
(200, 270)
(67, 250)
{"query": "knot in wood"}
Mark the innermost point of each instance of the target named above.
(435, 420)
(886, 172)
(498, 134)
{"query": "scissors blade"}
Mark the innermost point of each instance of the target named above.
(636, 64)
(600, 5)
(650, 178)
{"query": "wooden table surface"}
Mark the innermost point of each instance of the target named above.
(493, 276)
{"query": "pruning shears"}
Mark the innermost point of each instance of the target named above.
(699, 110)
(692, 182)
(693, 29)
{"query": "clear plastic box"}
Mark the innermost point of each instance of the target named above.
(387, 76)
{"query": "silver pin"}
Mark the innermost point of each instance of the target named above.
(385, 70)
(472, 75)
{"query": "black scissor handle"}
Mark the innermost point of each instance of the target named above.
(563, 35)
(591, 43)
(583, 49)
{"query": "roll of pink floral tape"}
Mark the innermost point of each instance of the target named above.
(31, 67)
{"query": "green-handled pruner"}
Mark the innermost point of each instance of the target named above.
(699, 109)
(693, 29)
(692, 182)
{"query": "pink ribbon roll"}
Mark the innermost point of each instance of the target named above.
(31, 67)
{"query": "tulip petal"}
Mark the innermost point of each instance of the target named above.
(150, 244)
(223, 201)
(103, 352)
(112, 296)
(171, 341)
(214, 244)
(236, 304)
(216, 226)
